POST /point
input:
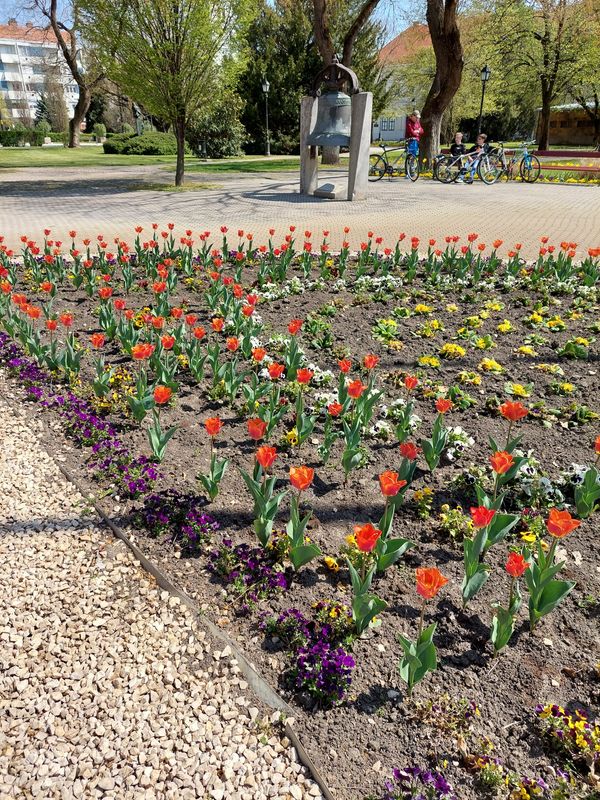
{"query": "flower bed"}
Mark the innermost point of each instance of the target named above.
(377, 470)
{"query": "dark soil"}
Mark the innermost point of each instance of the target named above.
(357, 744)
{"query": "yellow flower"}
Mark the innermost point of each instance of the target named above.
(556, 323)
(471, 378)
(350, 540)
(490, 365)
(450, 350)
(429, 361)
(582, 341)
(484, 315)
(505, 327)
(529, 537)
(526, 350)
(331, 563)
(535, 318)
(451, 308)
(519, 390)
(292, 437)
(421, 308)
(567, 388)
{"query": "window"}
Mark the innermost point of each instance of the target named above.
(4, 85)
(33, 52)
(7, 48)
(391, 124)
(564, 123)
(384, 125)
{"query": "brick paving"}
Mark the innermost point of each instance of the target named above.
(97, 200)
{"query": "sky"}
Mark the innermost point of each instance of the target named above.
(396, 15)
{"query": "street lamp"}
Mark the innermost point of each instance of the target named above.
(486, 73)
(265, 87)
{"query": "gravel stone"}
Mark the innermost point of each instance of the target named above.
(99, 700)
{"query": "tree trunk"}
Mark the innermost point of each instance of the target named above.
(180, 136)
(544, 125)
(449, 62)
(330, 155)
(79, 112)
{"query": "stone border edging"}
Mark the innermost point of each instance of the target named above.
(261, 688)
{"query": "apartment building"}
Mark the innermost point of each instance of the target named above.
(27, 55)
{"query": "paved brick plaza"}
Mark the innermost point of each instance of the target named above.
(98, 200)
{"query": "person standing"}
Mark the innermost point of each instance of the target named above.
(414, 131)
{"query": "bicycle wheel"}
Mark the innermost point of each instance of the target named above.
(530, 169)
(377, 165)
(489, 168)
(411, 166)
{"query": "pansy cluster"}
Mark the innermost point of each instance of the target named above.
(418, 783)
(576, 735)
(179, 518)
(318, 665)
(251, 573)
(132, 476)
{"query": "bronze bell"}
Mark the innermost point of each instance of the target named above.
(334, 117)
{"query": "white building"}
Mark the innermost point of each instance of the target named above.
(27, 54)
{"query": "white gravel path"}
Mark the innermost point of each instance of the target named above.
(107, 689)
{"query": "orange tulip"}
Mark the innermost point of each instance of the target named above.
(294, 326)
(370, 361)
(301, 477)
(275, 370)
(443, 404)
(561, 523)
(162, 395)
(429, 581)
(482, 516)
(410, 381)
(256, 428)
(513, 411)
(501, 462)
(97, 340)
(265, 456)
(389, 483)
(304, 375)
(345, 364)
(213, 426)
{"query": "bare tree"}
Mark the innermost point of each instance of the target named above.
(68, 38)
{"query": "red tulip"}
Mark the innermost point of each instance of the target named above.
(345, 365)
(443, 405)
(256, 428)
(366, 537)
(409, 450)
(275, 370)
(259, 353)
(516, 565)
(304, 375)
(356, 388)
(335, 409)
(294, 326)
(232, 344)
(370, 361)
(411, 382)
(513, 411)
(482, 516)
(167, 341)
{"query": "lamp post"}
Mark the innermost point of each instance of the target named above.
(265, 87)
(486, 73)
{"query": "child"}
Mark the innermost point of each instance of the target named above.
(457, 147)
(474, 152)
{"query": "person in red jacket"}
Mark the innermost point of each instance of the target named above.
(414, 130)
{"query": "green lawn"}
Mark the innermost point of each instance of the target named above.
(15, 157)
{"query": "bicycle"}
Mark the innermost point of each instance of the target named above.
(457, 168)
(380, 164)
(494, 165)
